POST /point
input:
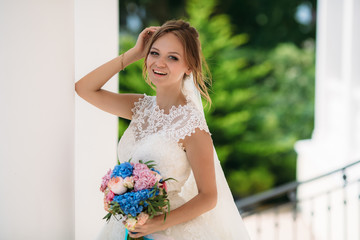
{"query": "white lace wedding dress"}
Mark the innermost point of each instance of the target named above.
(154, 135)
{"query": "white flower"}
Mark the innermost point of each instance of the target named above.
(116, 185)
(129, 182)
(130, 223)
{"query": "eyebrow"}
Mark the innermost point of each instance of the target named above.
(169, 52)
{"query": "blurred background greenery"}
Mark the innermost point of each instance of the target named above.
(262, 58)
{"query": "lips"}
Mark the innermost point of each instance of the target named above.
(159, 73)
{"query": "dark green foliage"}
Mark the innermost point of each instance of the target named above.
(269, 22)
(262, 102)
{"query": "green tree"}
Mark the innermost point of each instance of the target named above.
(267, 23)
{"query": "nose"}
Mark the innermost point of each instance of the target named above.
(160, 62)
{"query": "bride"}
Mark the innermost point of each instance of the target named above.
(170, 128)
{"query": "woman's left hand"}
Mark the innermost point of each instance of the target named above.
(152, 225)
(142, 40)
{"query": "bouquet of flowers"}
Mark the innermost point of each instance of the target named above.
(134, 192)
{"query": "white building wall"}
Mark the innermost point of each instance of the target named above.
(37, 119)
(336, 138)
(96, 42)
(54, 147)
(337, 98)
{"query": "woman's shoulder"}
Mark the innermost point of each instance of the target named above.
(194, 112)
(197, 119)
(188, 120)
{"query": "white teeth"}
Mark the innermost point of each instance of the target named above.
(161, 73)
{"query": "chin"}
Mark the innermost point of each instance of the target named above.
(155, 81)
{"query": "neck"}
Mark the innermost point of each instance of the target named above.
(166, 98)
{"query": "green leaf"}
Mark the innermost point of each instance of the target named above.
(167, 179)
(107, 217)
(150, 161)
(153, 212)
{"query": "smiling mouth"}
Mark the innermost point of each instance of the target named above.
(159, 73)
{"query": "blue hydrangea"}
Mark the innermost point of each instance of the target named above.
(123, 170)
(153, 169)
(130, 202)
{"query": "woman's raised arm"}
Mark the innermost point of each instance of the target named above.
(89, 87)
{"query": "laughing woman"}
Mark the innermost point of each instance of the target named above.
(171, 129)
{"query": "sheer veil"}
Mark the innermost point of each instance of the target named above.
(225, 217)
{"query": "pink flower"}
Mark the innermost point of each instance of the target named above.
(106, 205)
(116, 185)
(144, 179)
(163, 186)
(130, 223)
(142, 218)
(109, 195)
(105, 180)
(158, 177)
(139, 167)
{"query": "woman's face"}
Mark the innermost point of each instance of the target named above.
(166, 63)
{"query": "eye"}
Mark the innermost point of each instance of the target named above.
(154, 53)
(173, 58)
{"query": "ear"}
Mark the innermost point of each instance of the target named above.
(188, 71)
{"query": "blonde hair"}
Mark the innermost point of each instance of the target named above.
(189, 37)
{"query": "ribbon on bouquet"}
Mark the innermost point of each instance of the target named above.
(147, 237)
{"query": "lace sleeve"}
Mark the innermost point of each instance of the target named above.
(186, 124)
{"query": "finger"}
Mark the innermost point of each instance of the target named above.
(135, 234)
(151, 30)
(137, 228)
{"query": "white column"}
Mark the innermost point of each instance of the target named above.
(354, 78)
(37, 119)
(337, 110)
(336, 140)
(96, 42)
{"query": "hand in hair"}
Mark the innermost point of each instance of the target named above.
(143, 38)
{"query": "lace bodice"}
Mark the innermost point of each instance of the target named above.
(155, 135)
(181, 121)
